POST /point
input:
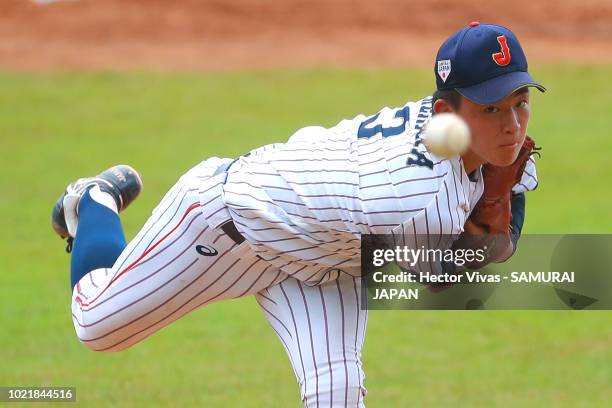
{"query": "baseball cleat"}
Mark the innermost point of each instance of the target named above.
(122, 182)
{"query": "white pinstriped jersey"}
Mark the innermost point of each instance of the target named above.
(302, 205)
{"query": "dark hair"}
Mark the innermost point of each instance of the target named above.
(449, 95)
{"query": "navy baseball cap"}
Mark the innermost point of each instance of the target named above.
(483, 62)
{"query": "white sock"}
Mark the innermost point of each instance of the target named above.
(103, 198)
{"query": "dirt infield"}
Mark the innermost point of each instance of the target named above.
(239, 34)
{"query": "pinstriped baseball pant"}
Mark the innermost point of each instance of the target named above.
(322, 330)
(181, 260)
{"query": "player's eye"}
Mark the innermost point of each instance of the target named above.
(491, 109)
(523, 104)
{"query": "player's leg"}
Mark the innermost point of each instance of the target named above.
(178, 262)
(322, 328)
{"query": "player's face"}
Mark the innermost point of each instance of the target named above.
(498, 130)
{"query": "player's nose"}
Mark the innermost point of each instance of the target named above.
(511, 122)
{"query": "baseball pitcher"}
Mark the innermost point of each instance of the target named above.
(284, 222)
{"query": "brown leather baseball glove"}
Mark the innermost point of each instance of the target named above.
(488, 226)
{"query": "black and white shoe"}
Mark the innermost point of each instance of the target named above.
(121, 182)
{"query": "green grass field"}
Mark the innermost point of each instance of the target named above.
(56, 127)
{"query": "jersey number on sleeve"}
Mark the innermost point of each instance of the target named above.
(366, 131)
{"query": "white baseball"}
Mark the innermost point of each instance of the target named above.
(447, 135)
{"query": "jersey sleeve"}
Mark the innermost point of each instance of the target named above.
(529, 179)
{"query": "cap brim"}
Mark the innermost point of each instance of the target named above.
(496, 89)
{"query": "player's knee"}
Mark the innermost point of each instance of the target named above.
(87, 338)
(93, 334)
(99, 340)
(100, 321)
(107, 328)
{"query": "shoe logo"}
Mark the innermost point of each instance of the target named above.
(206, 250)
(117, 173)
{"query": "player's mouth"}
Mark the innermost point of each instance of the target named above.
(511, 145)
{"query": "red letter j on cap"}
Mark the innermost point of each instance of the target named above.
(502, 58)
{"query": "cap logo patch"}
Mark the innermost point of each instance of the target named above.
(502, 58)
(444, 69)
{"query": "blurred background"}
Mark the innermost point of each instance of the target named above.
(85, 84)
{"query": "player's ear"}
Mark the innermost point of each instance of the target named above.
(442, 106)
